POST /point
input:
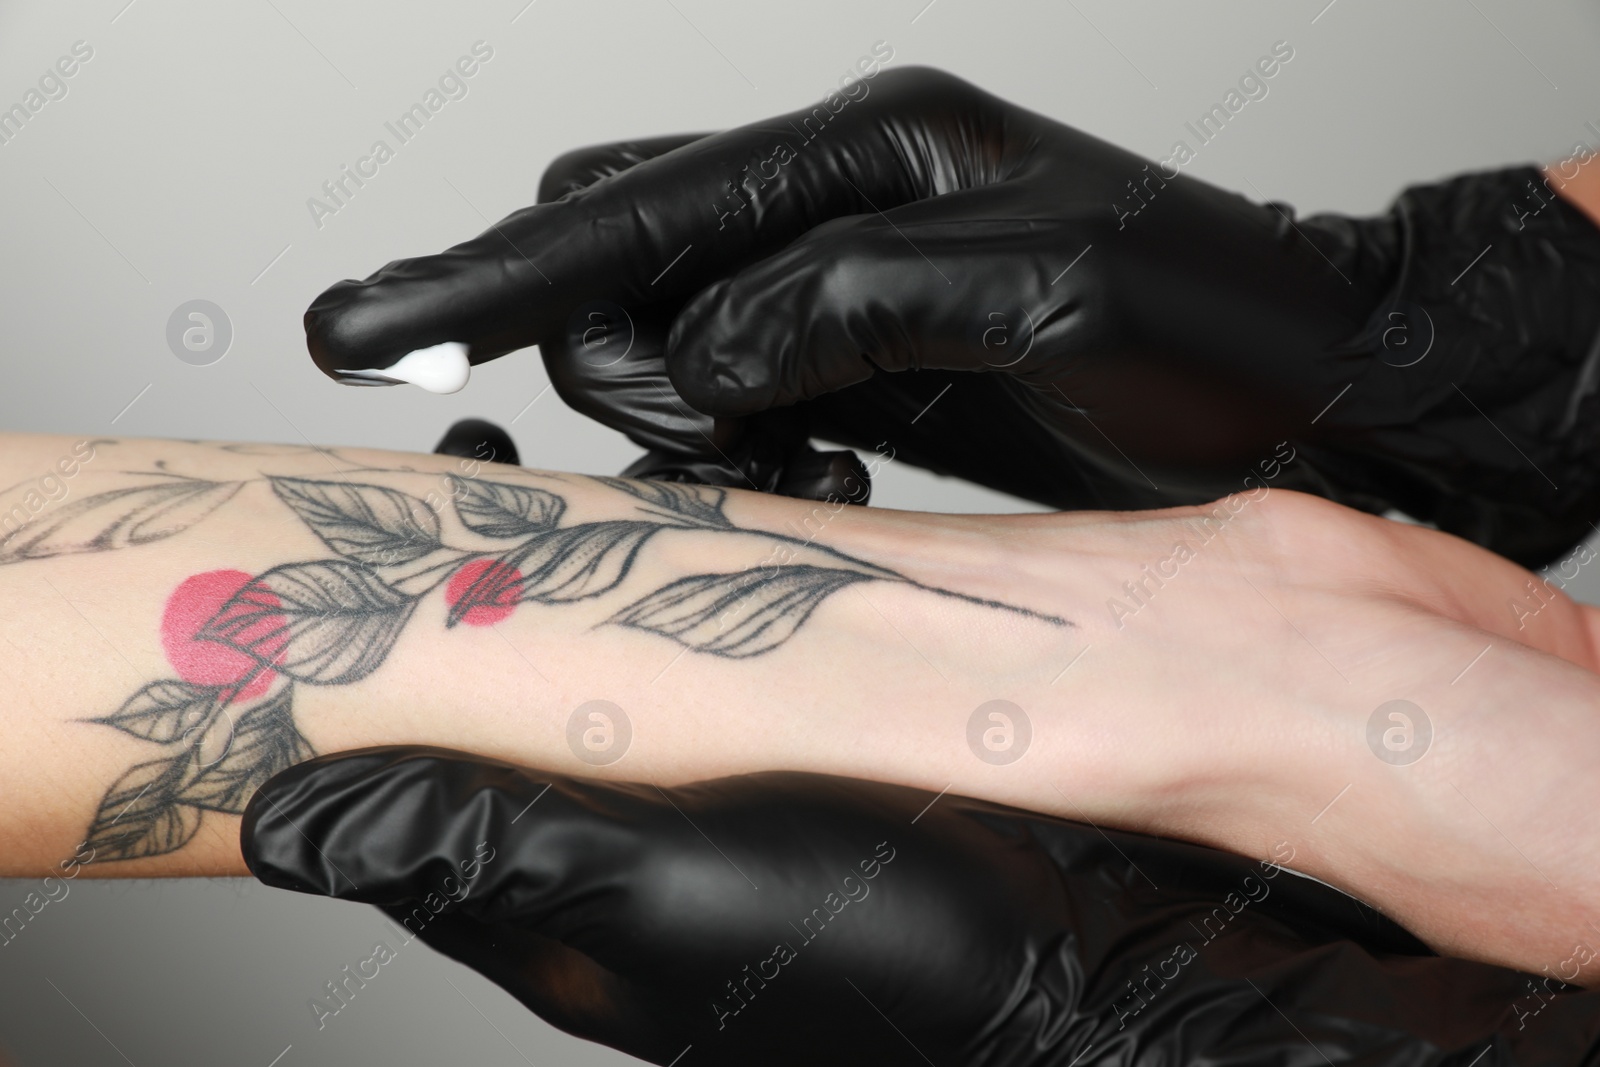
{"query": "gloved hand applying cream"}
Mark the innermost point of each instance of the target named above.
(917, 267)
(790, 918)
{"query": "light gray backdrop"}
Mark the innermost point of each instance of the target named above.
(177, 166)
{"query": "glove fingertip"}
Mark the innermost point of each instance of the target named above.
(285, 817)
(274, 852)
(329, 347)
(478, 439)
(826, 476)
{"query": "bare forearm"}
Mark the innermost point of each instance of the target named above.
(182, 620)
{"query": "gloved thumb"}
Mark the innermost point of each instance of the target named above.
(396, 825)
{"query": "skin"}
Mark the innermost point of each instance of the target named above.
(1231, 708)
(1579, 183)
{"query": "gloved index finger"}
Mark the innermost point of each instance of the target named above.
(582, 167)
(656, 232)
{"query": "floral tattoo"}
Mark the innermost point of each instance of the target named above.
(242, 643)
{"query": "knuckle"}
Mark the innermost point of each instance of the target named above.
(578, 169)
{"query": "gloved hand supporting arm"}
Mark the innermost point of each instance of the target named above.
(801, 919)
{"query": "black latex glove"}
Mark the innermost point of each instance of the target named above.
(1152, 338)
(478, 439)
(800, 919)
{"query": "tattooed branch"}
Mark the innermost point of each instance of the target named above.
(242, 643)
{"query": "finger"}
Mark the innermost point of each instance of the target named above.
(806, 474)
(623, 873)
(833, 476)
(476, 836)
(867, 295)
(582, 167)
(570, 172)
(353, 827)
(608, 365)
(396, 824)
(434, 832)
(660, 230)
(478, 439)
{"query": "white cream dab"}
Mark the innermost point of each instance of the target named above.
(440, 369)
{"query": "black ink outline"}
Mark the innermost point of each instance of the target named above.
(766, 608)
(334, 621)
(137, 515)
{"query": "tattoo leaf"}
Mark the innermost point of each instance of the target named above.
(163, 711)
(415, 578)
(579, 561)
(263, 742)
(558, 566)
(736, 615)
(329, 622)
(119, 518)
(701, 505)
(139, 815)
(496, 509)
(367, 523)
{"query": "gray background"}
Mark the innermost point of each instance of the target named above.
(178, 165)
